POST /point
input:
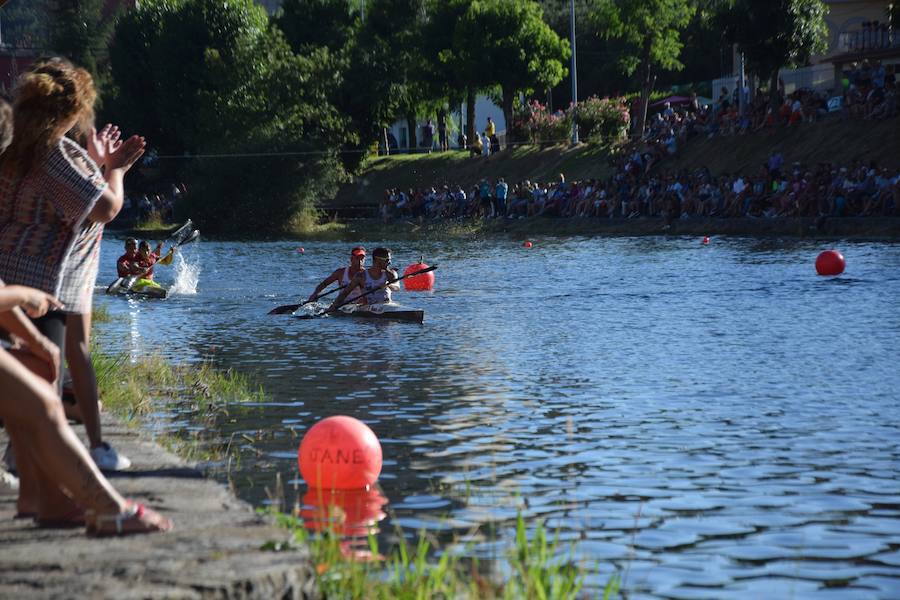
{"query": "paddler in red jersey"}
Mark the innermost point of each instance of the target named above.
(143, 265)
(125, 265)
(344, 275)
(379, 279)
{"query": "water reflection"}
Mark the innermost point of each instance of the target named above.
(707, 419)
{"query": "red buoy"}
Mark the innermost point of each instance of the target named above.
(706, 241)
(830, 262)
(418, 283)
(301, 250)
(339, 453)
(527, 244)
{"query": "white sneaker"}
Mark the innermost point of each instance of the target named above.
(8, 481)
(107, 459)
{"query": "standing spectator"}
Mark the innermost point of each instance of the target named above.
(443, 141)
(501, 190)
(428, 136)
(38, 229)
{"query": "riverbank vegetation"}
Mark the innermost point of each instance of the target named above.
(140, 389)
(534, 566)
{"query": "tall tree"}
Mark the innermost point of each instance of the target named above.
(777, 33)
(650, 31)
(511, 42)
(238, 89)
(80, 31)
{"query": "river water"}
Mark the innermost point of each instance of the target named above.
(708, 421)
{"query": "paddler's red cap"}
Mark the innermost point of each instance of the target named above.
(358, 251)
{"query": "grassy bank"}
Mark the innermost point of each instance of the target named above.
(874, 228)
(134, 390)
(831, 140)
(532, 568)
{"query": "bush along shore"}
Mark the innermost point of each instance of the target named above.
(535, 566)
(875, 228)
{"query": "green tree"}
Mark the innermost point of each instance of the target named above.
(776, 33)
(650, 34)
(328, 24)
(80, 31)
(510, 40)
(253, 119)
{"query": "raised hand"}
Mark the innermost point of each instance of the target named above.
(123, 155)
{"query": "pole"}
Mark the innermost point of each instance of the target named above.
(362, 10)
(742, 101)
(574, 74)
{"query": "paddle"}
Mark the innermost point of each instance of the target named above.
(289, 308)
(179, 238)
(364, 294)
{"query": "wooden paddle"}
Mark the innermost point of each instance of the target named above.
(364, 294)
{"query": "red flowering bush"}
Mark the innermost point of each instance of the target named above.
(602, 119)
(599, 119)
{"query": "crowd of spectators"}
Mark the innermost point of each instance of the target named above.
(774, 190)
(641, 188)
(156, 204)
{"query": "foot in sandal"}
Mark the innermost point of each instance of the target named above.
(135, 519)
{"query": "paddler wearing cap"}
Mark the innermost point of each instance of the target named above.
(379, 279)
(344, 275)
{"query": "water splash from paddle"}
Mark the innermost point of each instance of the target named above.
(187, 275)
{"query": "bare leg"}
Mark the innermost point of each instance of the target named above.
(84, 380)
(30, 407)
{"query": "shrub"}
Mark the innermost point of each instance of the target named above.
(602, 119)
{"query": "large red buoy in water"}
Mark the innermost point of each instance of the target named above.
(830, 262)
(339, 453)
(418, 283)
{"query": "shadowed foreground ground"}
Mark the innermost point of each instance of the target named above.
(214, 551)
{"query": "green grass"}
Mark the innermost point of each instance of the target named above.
(532, 568)
(152, 223)
(134, 390)
(100, 314)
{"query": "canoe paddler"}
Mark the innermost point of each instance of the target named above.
(142, 266)
(344, 275)
(379, 279)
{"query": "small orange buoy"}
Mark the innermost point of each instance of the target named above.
(339, 453)
(527, 244)
(418, 283)
(830, 262)
(706, 241)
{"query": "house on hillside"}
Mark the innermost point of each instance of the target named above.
(858, 30)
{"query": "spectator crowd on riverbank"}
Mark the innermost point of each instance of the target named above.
(774, 190)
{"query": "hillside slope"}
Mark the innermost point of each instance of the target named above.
(836, 141)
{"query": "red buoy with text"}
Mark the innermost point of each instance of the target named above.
(339, 453)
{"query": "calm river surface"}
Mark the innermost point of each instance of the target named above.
(710, 422)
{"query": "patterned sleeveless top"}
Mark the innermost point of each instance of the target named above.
(42, 214)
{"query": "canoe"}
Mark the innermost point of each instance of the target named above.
(375, 312)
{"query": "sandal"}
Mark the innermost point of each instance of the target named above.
(135, 519)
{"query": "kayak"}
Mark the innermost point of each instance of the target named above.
(131, 286)
(376, 312)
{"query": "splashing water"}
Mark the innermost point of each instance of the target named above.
(187, 275)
